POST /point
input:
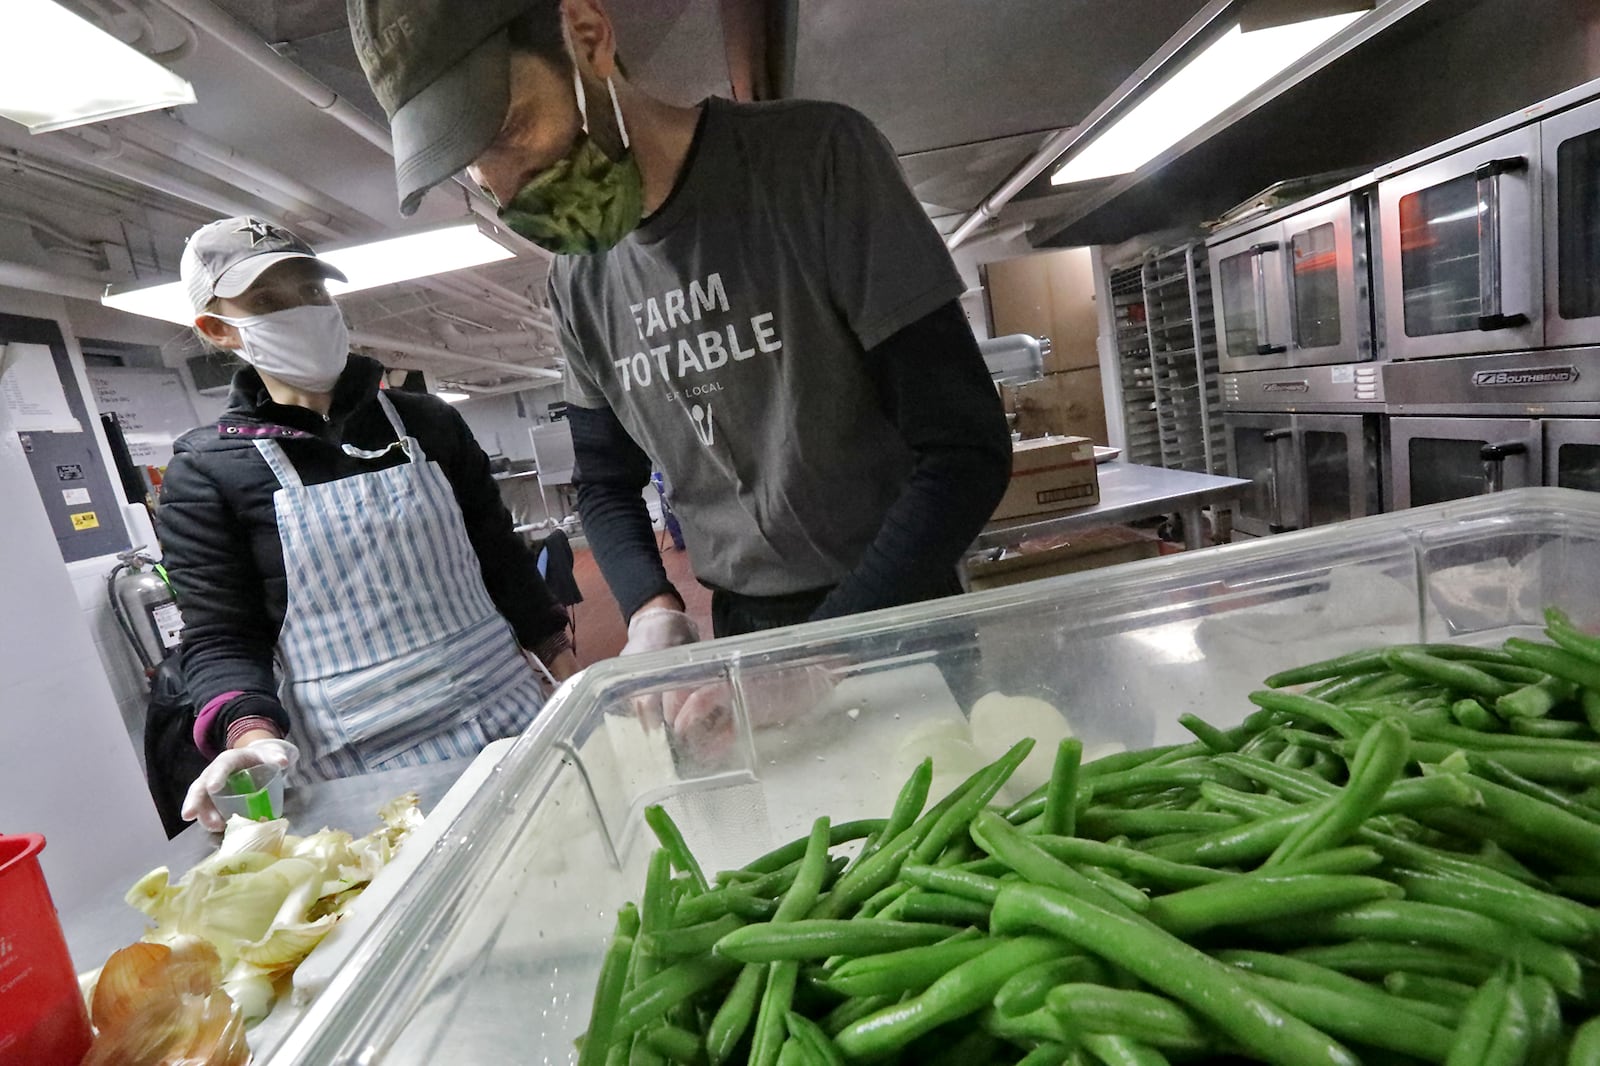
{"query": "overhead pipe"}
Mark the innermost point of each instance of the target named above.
(33, 279)
(116, 162)
(363, 339)
(1063, 141)
(237, 36)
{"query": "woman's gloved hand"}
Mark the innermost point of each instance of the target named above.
(265, 751)
(659, 628)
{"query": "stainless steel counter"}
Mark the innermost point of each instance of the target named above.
(94, 932)
(1128, 491)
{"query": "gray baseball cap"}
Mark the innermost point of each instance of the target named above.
(225, 258)
(441, 70)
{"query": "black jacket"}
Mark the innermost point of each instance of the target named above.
(219, 531)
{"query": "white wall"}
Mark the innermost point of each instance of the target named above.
(67, 769)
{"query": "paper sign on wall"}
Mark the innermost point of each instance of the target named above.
(31, 391)
(85, 520)
(75, 497)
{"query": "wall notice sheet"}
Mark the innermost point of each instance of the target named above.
(32, 392)
(152, 406)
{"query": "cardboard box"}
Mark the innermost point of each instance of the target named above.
(1066, 553)
(1059, 405)
(1050, 474)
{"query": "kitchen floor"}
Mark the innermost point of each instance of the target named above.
(600, 629)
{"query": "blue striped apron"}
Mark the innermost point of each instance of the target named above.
(392, 653)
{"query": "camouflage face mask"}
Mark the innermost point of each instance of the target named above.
(586, 202)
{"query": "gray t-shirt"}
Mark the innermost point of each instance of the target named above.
(729, 333)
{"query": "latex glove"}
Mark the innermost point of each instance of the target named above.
(659, 628)
(264, 752)
(705, 727)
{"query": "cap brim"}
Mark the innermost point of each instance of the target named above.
(239, 277)
(443, 128)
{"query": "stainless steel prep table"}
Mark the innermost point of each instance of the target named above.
(1128, 492)
(351, 803)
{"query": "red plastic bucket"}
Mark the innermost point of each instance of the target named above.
(42, 1018)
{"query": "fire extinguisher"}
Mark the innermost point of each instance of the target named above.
(146, 609)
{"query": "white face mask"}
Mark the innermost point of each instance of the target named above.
(305, 347)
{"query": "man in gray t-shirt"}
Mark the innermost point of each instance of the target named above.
(748, 297)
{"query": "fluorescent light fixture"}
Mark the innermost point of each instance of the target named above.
(422, 253)
(57, 70)
(452, 396)
(1225, 72)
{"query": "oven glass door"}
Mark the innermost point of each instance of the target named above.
(1572, 453)
(1460, 271)
(1250, 301)
(1262, 452)
(1339, 457)
(1439, 459)
(1322, 299)
(1571, 143)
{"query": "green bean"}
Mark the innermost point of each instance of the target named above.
(1378, 762)
(962, 883)
(802, 895)
(1456, 676)
(1549, 728)
(1491, 769)
(1102, 822)
(937, 907)
(1121, 1050)
(907, 807)
(642, 1054)
(1555, 767)
(908, 970)
(843, 833)
(1544, 1019)
(770, 1029)
(1385, 1025)
(1061, 798)
(1241, 844)
(1144, 779)
(789, 1054)
(1248, 900)
(671, 945)
(851, 1011)
(1160, 871)
(1551, 918)
(607, 1002)
(733, 1018)
(1537, 699)
(821, 938)
(819, 1047)
(1569, 837)
(1047, 1055)
(996, 836)
(676, 1045)
(1431, 924)
(1210, 988)
(1437, 991)
(1307, 709)
(1302, 972)
(1471, 714)
(1584, 887)
(676, 984)
(1348, 860)
(954, 821)
(1585, 1050)
(1590, 701)
(1372, 659)
(881, 900)
(1376, 958)
(1024, 992)
(964, 990)
(666, 831)
(1217, 740)
(1089, 1008)
(1557, 662)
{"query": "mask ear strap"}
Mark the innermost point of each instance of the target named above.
(583, 102)
(616, 108)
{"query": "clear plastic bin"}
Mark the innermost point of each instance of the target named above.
(490, 952)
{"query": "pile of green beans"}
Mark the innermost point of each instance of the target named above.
(1394, 859)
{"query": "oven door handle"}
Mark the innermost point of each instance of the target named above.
(1494, 458)
(1275, 522)
(1259, 279)
(1491, 253)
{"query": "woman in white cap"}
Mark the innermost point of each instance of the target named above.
(350, 536)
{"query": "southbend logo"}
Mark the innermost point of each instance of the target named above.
(1286, 386)
(1542, 375)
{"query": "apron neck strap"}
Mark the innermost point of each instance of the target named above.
(279, 463)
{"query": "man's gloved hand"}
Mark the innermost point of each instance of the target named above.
(266, 751)
(659, 628)
(703, 723)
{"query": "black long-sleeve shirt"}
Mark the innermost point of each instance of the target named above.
(932, 384)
